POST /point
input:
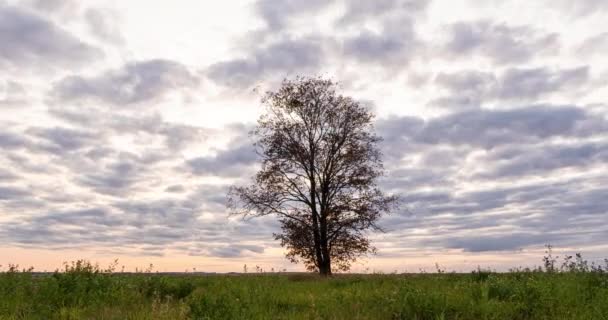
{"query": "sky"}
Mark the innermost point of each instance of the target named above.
(123, 123)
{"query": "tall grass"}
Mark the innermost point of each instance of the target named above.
(574, 289)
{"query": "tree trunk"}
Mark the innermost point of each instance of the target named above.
(318, 244)
(326, 270)
(318, 241)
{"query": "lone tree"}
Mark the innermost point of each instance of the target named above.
(320, 163)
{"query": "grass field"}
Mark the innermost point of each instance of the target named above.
(83, 291)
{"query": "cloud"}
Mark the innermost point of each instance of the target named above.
(471, 89)
(116, 178)
(394, 41)
(60, 140)
(467, 89)
(519, 178)
(580, 7)
(176, 136)
(360, 11)
(8, 192)
(392, 45)
(234, 161)
(140, 226)
(285, 48)
(6, 175)
(104, 24)
(278, 59)
(28, 40)
(517, 161)
(134, 83)
(81, 217)
(172, 223)
(276, 14)
(12, 94)
(11, 140)
(234, 251)
(532, 83)
(501, 43)
(508, 242)
(175, 189)
(597, 44)
(488, 128)
(53, 5)
(505, 218)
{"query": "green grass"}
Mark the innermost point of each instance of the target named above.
(83, 291)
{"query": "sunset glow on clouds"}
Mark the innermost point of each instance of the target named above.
(124, 122)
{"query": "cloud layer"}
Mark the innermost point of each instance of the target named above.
(495, 126)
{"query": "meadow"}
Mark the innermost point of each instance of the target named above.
(85, 291)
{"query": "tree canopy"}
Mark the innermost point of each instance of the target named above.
(320, 163)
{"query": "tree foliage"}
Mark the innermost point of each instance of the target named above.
(320, 165)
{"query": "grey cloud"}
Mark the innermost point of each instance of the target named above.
(11, 140)
(508, 242)
(230, 162)
(146, 224)
(8, 192)
(12, 94)
(538, 160)
(28, 40)
(425, 197)
(234, 251)
(467, 89)
(81, 217)
(471, 89)
(358, 11)
(136, 82)
(587, 201)
(175, 189)
(83, 156)
(597, 44)
(276, 13)
(534, 213)
(52, 5)
(24, 162)
(488, 128)
(27, 233)
(103, 24)
(396, 41)
(580, 7)
(499, 42)
(278, 53)
(6, 175)
(212, 196)
(169, 214)
(180, 136)
(411, 178)
(113, 178)
(425, 157)
(60, 140)
(397, 131)
(394, 44)
(468, 80)
(447, 209)
(280, 58)
(531, 83)
(175, 135)
(509, 147)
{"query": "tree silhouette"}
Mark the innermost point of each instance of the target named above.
(320, 163)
